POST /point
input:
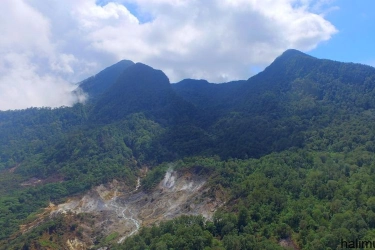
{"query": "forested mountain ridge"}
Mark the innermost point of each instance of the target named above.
(94, 86)
(141, 88)
(291, 72)
(282, 105)
(292, 147)
(207, 95)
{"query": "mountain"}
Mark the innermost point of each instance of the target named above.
(96, 85)
(141, 88)
(282, 159)
(207, 95)
(320, 79)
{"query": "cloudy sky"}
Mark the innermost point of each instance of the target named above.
(46, 46)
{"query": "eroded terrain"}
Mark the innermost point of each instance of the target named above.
(114, 211)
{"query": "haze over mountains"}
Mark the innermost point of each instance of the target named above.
(290, 151)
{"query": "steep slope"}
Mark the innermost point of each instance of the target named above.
(297, 94)
(141, 88)
(96, 85)
(309, 121)
(112, 212)
(295, 73)
(271, 90)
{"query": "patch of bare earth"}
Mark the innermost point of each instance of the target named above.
(11, 170)
(36, 181)
(116, 209)
(289, 244)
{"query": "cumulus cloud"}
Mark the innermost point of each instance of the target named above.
(22, 85)
(32, 69)
(47, 45)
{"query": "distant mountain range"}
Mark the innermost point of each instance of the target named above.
(141, 82)
(295, 86)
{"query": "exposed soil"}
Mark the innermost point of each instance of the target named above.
(36, 181)
(289, 244)
(115, 209)
(11, 170)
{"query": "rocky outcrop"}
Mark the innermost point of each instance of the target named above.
(114, 208)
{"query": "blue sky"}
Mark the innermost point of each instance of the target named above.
(355, 40)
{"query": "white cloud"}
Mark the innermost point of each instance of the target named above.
(219, 40)
(22, 85)
(32, 69)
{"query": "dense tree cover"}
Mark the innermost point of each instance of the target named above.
(296, 144)
(24, 133)
(314, 198)
(141, 88)
(208, 96)
(276, 109)
(194, 232)
(78, 161)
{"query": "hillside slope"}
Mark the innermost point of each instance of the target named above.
(141, 88)
(292, 148)
(96, 85)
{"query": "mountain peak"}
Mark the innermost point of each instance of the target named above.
(140, 88)
(124, 62)
(292, 54)
(141, 75)
(291, 61)
(96, 85)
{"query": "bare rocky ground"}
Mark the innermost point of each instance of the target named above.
(114, 211)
